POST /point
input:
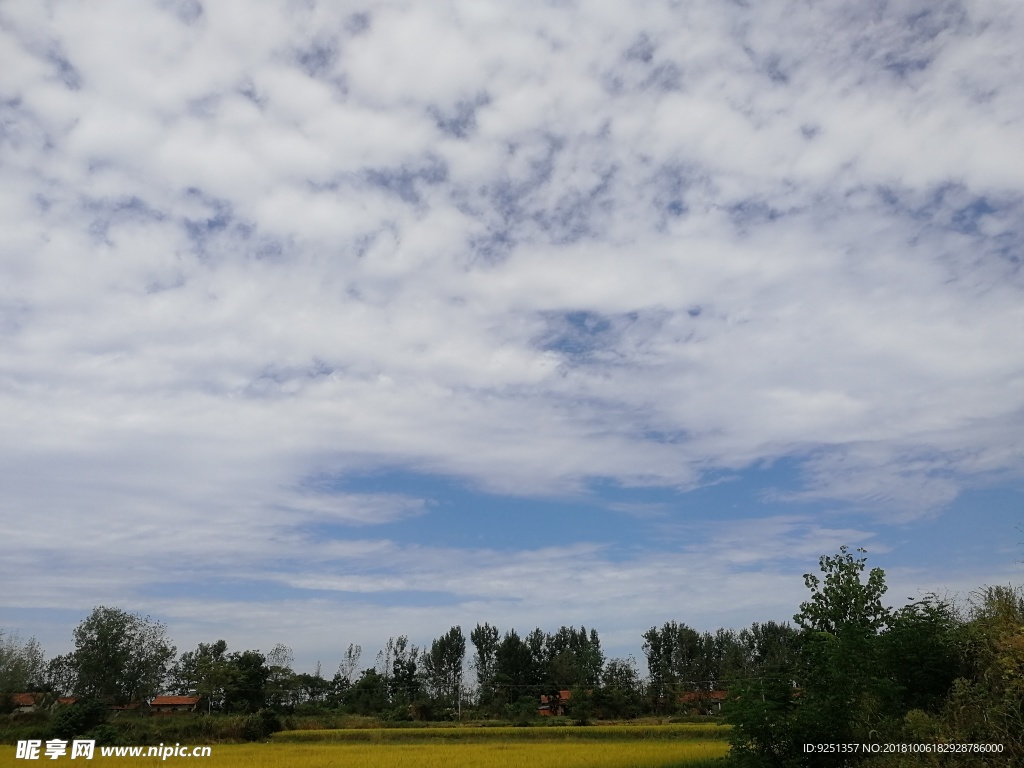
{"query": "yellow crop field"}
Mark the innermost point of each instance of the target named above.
(497, 754)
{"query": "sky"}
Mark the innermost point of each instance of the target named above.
(327, 322)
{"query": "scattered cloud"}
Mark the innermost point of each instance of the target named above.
(541, 251)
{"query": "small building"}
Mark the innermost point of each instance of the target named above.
(551, 706)
(703, 702)
(27, 702)
(166, 705)
(67, 700)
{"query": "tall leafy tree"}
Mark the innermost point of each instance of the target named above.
(844, 693)
(349, 663)
(443, 664)
(514, 675)
(281, 685)
(485, 639)
(245, 689)
(584, 651)
(120, 656)
(768, 648)
(311, 688)
(369, 694)
(920, 651)
(987, 704)
(620, 692)
(675, 662)
(843, 689)
(344, 678)
(397, 663)
(541, 651)
(203, 672)
(842, 603)
(22, 664)
(61, 675)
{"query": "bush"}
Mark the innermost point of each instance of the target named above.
(398, 714)
(104, 735)
(24, 725)
(523, 712)
(261, 724)
(75, 720)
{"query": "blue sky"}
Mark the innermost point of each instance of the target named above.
(324, 323)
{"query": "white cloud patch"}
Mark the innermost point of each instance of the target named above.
(248, 245)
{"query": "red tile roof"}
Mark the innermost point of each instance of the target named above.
(562, 696)
(26, 699)
(174, 701)
(703, 696)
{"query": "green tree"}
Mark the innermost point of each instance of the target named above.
(245, 687)
(620, 692)
(842, 604)
(281, 685)
(397, 664)
(349, 663)
(768, 648)
(344, 678)
(79, 720)
(575, 658)
(119, 656)
(312, 688)
(845, 692)
(204, 672)
(764, 714)
(987, 704)
(22, 664)
(921, 653)
(844, 695)
(514, 676)
(61, 675)
(762, 703)
(485, 640)
(676, 663)
(369, 694)
(443, 665)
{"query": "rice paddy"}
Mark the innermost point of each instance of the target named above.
(441, 754)
(665, 746)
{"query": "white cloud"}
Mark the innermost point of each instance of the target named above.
(250, 245)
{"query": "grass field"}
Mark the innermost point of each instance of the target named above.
(438, 754)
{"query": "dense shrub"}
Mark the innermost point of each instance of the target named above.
(77, 719)
(261, 724)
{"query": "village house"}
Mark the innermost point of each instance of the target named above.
(166, 705)
(703, 702)
(27, 702)
(554, 707)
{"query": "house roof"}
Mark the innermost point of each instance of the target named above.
(67, 699)
(26, 699)
(562, 696)
(703, 696)
(172, 701)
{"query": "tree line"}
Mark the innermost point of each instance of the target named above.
(123, 657)
(848, 670)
